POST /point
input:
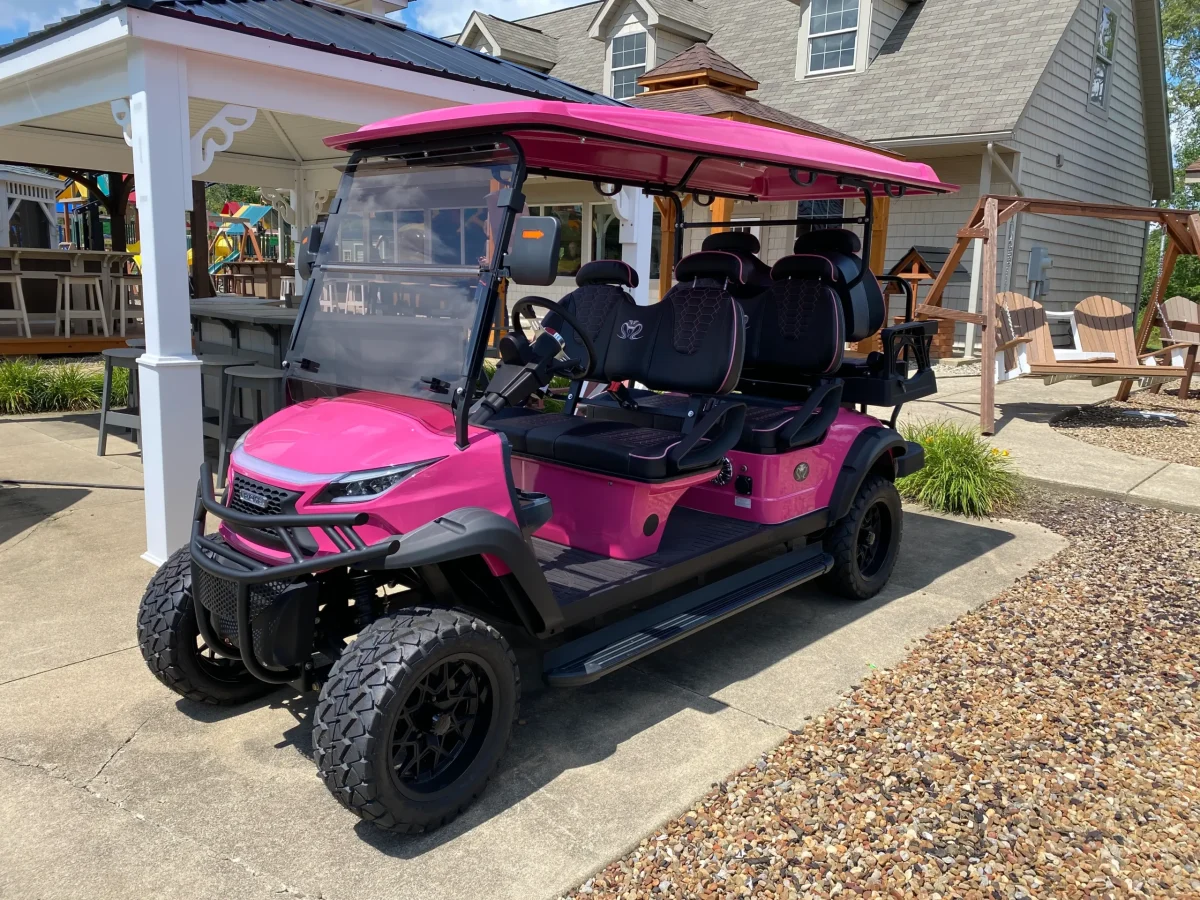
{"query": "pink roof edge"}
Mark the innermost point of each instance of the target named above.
(671, 131)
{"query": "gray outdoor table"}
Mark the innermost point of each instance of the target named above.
(257, 331)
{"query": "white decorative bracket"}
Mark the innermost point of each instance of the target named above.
(228, 121)
(120, 112)
(281, 202)
(626, 202)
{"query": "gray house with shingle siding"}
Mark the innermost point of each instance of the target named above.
(1066, 97)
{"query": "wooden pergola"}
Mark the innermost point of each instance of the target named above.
(1181, 227)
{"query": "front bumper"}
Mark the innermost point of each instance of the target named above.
(255, 603)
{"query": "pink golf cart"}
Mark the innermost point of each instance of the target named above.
(410, 506)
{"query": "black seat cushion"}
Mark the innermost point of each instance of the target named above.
(863, 304)
(615, 448)
(516, 425)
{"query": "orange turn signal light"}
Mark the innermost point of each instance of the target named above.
(533, 235)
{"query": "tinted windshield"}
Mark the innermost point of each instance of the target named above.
(397, 289)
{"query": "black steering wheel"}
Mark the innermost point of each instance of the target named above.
(573, 368)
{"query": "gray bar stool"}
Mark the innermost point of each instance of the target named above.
(215, 427)
(130, 417)
(264, 382)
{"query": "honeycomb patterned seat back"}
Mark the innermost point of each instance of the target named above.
(863, 306)
(797, 328)
(692, 341)
(601, 291)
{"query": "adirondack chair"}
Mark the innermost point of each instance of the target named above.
(1105, 344)
(1183, 329)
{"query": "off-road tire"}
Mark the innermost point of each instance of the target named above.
(842, 542)
(355, 716)
(167, 634)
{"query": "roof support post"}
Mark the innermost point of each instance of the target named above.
(636, 211)
(985, 188)
(172, 439)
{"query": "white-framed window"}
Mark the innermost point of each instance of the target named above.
(1106, 47)
(832, 35)
(748, 229)
(628, 64)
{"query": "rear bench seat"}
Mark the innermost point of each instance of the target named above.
(692, 343)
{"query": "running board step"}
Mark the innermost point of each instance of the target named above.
(597, 654)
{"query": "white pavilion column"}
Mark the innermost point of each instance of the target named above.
(636, 211)
(172, 438)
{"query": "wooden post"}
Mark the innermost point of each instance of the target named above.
(1170, 257)
(666, 256)
(879, 234)
(721, 211)
(987, 331)
(198, 218)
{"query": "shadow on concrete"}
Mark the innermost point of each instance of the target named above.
(1041, 413)
(564, 730)
(22, 507)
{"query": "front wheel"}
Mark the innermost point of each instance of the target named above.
(415, 717)
(173, 648)
(866, 542)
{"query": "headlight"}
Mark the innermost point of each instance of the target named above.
(359, 486)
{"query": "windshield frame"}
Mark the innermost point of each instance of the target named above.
(490, 276)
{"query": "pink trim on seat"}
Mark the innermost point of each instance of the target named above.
(662, 455)
(840, 341)
(834, 274)
(741, 267)
(738, 316)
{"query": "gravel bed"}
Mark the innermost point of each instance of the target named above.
(1044, 745)
(1108, 425)
(960, 370)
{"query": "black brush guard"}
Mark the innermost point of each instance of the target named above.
(256, 585)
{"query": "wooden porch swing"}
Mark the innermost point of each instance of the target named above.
(1014, 329)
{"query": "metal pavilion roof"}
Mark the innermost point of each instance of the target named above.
(345, 32)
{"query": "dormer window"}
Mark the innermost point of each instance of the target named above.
(832, 35)
(628, 64)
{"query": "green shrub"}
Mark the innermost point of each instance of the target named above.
(31, 386)
(22, 384)
(962, 474)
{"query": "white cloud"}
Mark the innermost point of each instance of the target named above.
(443, 17)
(23, 16)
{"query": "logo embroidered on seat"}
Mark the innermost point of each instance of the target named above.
(630, 331)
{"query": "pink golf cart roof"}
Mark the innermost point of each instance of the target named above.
(627, 145)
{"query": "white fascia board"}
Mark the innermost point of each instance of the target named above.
(475, 23)
(597, 30)
(69, 45)
(356, 75)
(90, 80)
(983, 137)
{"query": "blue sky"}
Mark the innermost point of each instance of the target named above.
(440, 17)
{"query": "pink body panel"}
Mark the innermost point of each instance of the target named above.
(777, 496)
(617, 147)
(304, 447)
(602, 513)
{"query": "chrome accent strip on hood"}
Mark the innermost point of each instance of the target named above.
(272, 471)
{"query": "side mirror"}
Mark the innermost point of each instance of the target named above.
(533, 258)
(307, 249)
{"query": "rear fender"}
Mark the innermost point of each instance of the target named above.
(876, 449)
(471, 532)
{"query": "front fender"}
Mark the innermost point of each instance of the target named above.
(473, 531)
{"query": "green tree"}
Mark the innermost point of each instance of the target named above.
(1181, 33)
(217, 195)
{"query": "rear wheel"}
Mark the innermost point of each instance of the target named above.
(866, 542)
(415, 717)
(173, 648)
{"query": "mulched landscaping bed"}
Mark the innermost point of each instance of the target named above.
(1171, 440)
(1045, 745)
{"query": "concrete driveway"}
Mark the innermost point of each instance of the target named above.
(111, 786)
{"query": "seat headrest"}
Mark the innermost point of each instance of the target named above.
(805, 265)
(829, 240)
(735, 241)
(719, 265)
(607, 271)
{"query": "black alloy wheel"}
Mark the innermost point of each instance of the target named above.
(865, 543)
(441, 725)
